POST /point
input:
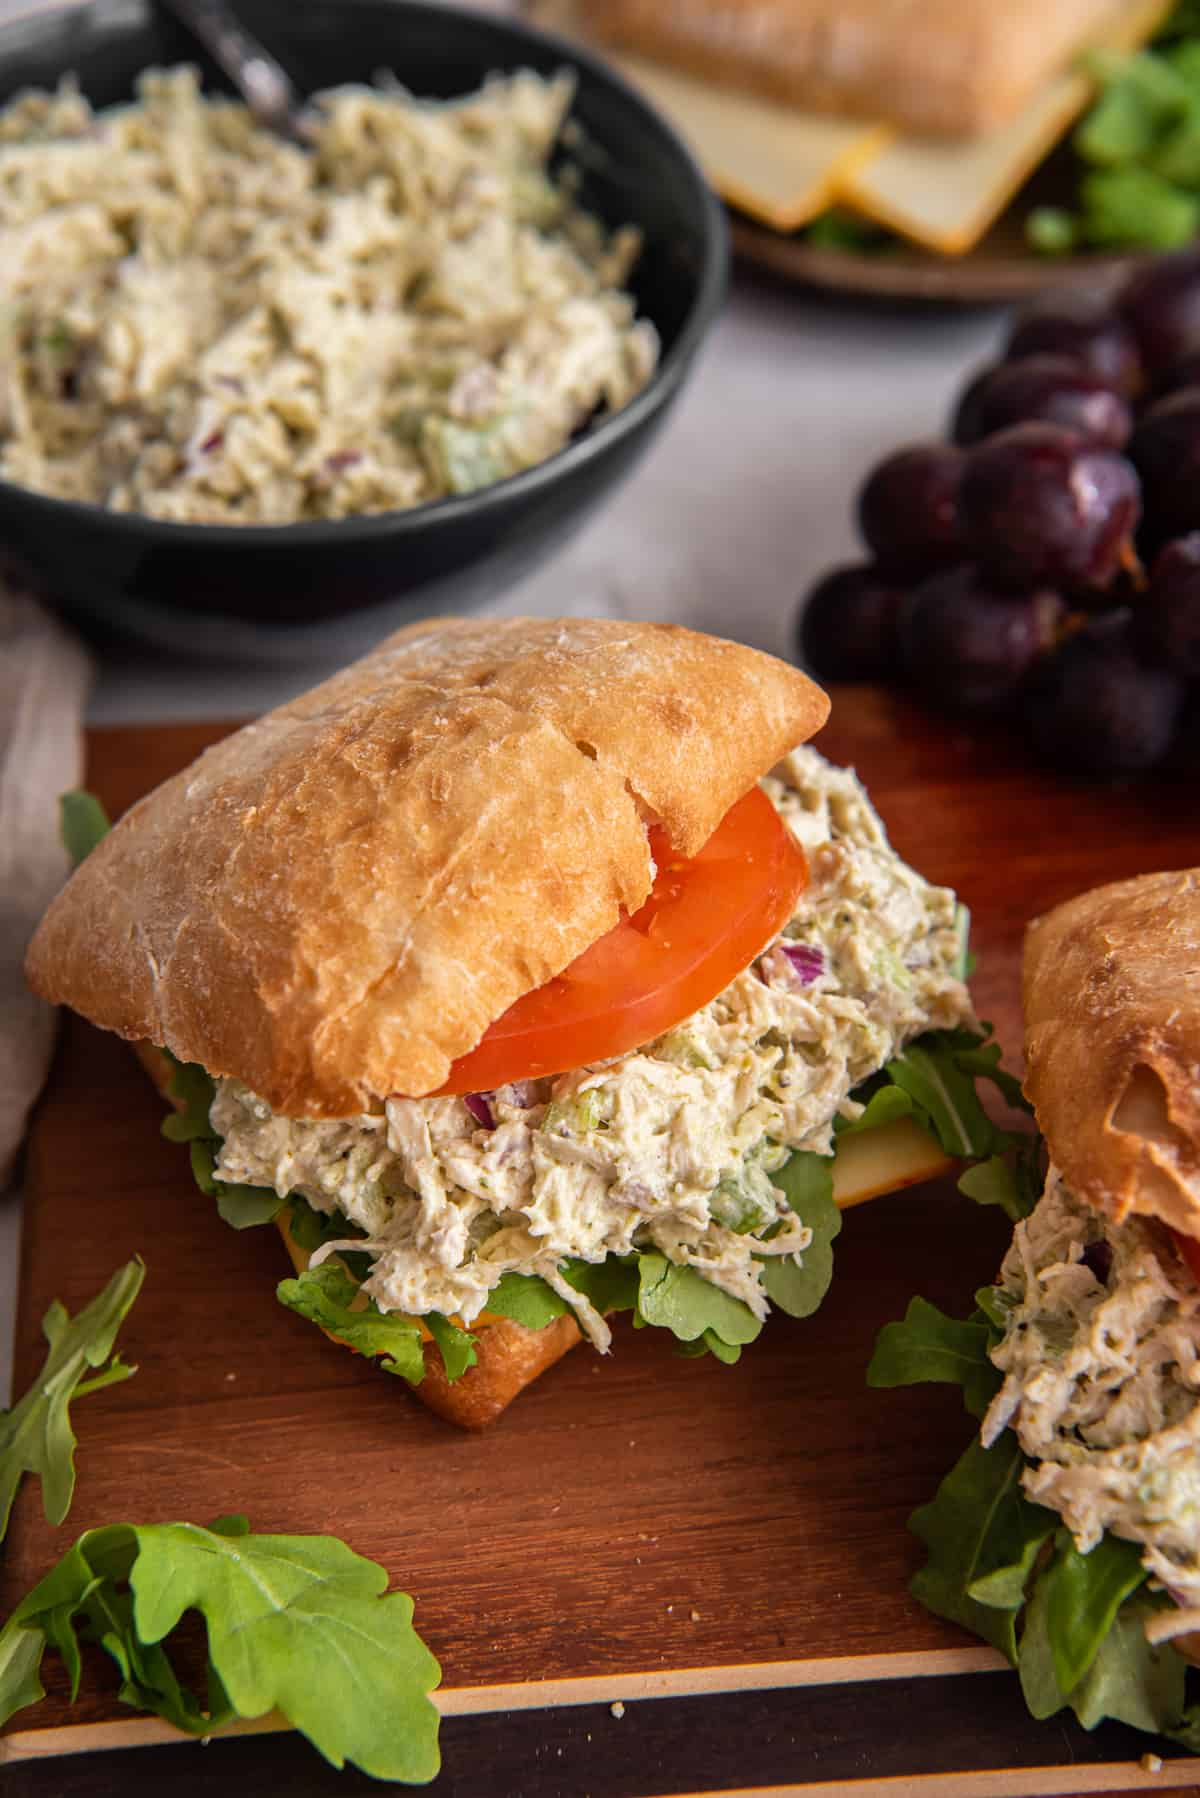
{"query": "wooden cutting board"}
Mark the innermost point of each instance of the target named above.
(641, 1526)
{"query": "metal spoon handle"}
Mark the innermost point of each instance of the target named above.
(261, 81)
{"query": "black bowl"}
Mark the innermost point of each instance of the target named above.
(280, 590)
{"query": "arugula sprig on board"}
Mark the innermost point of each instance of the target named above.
(36, 1435)
(1003, 1567)
(299, 1624)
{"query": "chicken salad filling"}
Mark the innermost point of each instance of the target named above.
(1102, 1385)
(207, 324)
(669, 1150)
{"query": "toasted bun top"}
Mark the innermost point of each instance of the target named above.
(1111, 991)
(337, 901)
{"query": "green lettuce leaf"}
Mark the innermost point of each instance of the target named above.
(983, 1536)
(328, 1296)
(943, 1093)
(36, 1435)
(1081, 1595)
(297, 1623)
(884, 1106)
(610, 1285)
(192, 1089)
(82, 823)
(1127, 1679)
(799, 1287)
(457, 1346)
(927, 1345)
(1013, 1183)
(311, 1230)
(527, 1300)
(682, 1301)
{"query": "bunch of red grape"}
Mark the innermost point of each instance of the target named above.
(1046, 563)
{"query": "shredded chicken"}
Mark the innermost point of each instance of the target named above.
(1102, 1384)
(203, 322)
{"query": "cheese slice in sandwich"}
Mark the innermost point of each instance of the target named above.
(1082, 1485)
(529, 847)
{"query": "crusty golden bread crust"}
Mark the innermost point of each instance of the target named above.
(1111, 990)
(335, 902)
(507, 1355)
(952, 67)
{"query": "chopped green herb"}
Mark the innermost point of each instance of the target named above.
(36, 1435)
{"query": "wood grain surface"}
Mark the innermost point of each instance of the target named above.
(640, 1515)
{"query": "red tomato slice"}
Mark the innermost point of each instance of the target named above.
(1189, 1248)
(703, 922)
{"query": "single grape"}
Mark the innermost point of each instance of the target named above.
(1166, 623)
(908, 510)
(1093, 336)
(1165, 450)
(1096, 705)
(970, 647)
(1161, 305)
(1042, 508)
(847, 626)
(1050, 388)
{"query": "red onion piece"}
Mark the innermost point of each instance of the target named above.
(480, 1110)
(807, 962)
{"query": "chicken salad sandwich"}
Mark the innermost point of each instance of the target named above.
(524, 973)
(1068, 1535)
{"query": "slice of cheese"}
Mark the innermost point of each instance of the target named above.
(947, 197)
(883, 1160)
(777, 163)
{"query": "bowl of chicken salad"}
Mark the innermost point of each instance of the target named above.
(254, 385)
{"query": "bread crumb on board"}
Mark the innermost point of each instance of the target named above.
(618, 1710)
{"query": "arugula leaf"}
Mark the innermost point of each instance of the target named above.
(193, 1090)
(611, 1285)
(993, 1182)
(983, 1536)
(681, 1300)
(943, 1094)
(799, 1287)
(457, 1345)
(527, 1300)
(1127, 1679)
(241, 1207)
(933, 1081)
(311, 1230)
(36, 1435)
(928, 1345)
(883, 1107)
(1082, 1595)
(327, 1296)
(82, 823)
(298, 1623)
